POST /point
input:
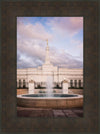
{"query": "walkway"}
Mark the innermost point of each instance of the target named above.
(52, 113)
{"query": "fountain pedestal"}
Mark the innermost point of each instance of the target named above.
(65, 87)
(31, 87)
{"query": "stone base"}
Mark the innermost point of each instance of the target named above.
(30, 92)
(50, 102)
(65, 87)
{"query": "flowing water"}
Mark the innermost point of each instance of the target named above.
(49, 86)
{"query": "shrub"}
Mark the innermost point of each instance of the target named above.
(40, 91)
(54, 91)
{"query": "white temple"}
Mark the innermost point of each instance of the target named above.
(39, 75)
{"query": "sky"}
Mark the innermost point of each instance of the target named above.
(65, 40)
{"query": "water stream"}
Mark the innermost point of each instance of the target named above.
(49, 86)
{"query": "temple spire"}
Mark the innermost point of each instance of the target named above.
(47, 42)
(47, 58)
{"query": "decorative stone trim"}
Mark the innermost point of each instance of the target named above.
(65, 81)
(31, 81)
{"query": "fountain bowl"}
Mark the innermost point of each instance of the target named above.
(57, 101)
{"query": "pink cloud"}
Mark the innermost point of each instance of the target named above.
(36, 31)
(76, 22)
(70, 25)
(32, 48)
(31, 44)
(32, 53)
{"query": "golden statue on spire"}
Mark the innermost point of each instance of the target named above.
(47, 41)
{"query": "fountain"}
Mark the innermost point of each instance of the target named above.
(50, 100)
(49, 86)
(57, 101)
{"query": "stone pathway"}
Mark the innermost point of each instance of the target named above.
(52, 113)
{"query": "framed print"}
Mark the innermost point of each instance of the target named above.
(49, 70)
(26, 26)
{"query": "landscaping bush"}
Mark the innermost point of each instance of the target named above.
(54, 91)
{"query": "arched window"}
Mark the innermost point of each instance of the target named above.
(24, 85)
(79, 83)
(71, 83)
(19, 83)
(75, 83)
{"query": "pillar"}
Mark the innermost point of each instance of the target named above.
(31, 87)
(65, 87)
(21, 83)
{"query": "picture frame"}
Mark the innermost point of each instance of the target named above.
(10, 122)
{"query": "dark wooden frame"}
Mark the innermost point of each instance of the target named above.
(10, 121)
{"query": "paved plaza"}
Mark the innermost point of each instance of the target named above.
(52, 113)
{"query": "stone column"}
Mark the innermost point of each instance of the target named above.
(78, 83)
(65, 87)
(31, 87)
(81, 83)
(21, 83)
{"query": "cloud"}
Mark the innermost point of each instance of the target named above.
(64, 59)
(31, 43)
(79, 48)
(34, 55)
(66, 25)
(30, 52)
(36, 31)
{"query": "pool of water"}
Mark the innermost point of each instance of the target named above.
(54, 95)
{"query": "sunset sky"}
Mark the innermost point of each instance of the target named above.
(65, 39)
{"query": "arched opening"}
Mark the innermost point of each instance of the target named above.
(19, 83)
(71, 83)
(79, 83)
(75, 83)
(24, 84)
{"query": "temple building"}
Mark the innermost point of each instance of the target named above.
(48, 71)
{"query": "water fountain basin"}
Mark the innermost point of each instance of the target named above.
(57, 101)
